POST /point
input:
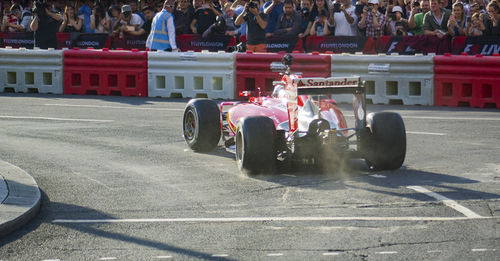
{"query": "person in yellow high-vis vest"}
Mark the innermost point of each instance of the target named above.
(162, 36)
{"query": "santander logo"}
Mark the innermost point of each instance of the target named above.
(327, 82)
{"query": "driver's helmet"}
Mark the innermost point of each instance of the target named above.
(279, 91)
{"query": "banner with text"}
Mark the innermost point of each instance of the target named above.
(18, 40)
(130, 42)
(287, 44)
(409, 45)
(339, 44)
(195, 42)
(82, 40)
(484, 45)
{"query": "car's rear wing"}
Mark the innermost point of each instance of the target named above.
(332, 85)
(324, 86)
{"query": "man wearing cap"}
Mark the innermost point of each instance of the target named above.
(162, 36)
(129, 22)
(372, 20)
(436, 21)
(397, 18)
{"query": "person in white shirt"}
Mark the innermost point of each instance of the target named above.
(344, 20)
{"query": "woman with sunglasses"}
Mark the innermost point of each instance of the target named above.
(12, 21)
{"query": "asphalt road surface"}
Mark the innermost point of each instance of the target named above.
(119, 183)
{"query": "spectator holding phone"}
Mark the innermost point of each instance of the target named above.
(457, 23)
(305, 10)
(45, 24)
(416, 21)
(476, 26)
(320, 26)
(372, 21)
(493, 21)
(318, 7)
(344, 19)
(436, 20)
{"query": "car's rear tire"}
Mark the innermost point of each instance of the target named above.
(256, 145)
(383, 142)
(201, 125)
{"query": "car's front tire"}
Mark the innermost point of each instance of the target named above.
(201, 124)
(383, 142)
(256, 145)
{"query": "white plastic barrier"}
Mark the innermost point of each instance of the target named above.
(191, 74)
(389, 79)
(31, 71)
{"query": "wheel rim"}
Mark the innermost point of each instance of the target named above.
(190, 126)
(239, 147)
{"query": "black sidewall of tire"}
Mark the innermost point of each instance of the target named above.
(384, 141)
(258, 155)
(208, 128)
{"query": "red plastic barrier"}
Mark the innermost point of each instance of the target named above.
(253, 69)
(462, 80)
(104, 72)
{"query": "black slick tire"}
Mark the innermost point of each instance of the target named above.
(201, 124)
(383, 142)
(256, 145)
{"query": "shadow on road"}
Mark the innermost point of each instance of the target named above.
(51, 210)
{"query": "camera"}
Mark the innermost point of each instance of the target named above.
(416, 3)
(39, 8)
(336, 7)
(252, 5)
(400, 33)
(305, 12)
(359, 8)
(369, 8)
(240, 48)
(392, 16)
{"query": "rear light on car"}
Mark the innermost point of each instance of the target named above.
(245, 93)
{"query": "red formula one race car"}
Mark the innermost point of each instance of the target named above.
(299, 123)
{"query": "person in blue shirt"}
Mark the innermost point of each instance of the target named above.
(162, 36)
(273, 9)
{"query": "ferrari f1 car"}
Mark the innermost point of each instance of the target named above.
(299, 123)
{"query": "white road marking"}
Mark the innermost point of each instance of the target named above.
(482, 250)
(451, 118)
(51, 260)
(387, 252)
(426, 133)
(220, 255)
(378, 176)
(331, 254)
(113, 107)
(448, 202)
(107, 258)
(51, 119)
(265, 219)
(434, 251)
(285, 195)
(163, 257)
(275, 254)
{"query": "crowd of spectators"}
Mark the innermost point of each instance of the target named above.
(258, 19)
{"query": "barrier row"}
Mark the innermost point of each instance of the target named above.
(449, 80)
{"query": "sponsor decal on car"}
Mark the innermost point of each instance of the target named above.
(327, 82)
